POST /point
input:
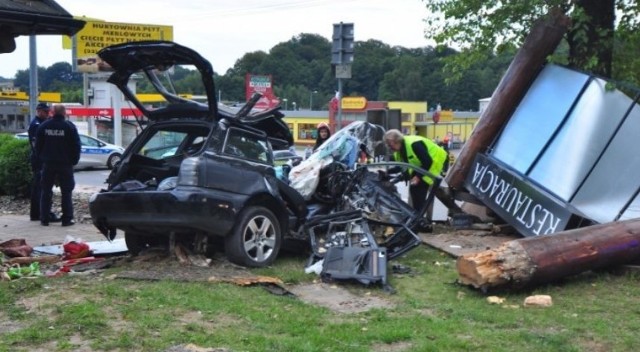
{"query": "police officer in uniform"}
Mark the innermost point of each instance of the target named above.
(58, 148)
(421, 152)
(42, 113)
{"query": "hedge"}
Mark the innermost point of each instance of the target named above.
(15, 169)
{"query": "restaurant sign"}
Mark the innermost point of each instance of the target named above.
(516, 201)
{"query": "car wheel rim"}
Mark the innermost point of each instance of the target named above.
(259, 238)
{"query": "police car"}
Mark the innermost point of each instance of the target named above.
(93, 153)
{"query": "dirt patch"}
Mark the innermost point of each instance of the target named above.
(7, 325)
(337, 298)
(159, 265)
(391, 347)
(194, 348)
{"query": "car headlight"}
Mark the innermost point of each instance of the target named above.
(189, 172)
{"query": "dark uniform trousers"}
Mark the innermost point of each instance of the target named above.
(64, 174)
(36, 171)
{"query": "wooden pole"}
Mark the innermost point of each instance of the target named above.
(540, 43)
(535, 260)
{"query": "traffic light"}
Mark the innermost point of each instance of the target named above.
(342, 46)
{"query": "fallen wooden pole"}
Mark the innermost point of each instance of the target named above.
(29, 260)
(541, 259)
(541, 42)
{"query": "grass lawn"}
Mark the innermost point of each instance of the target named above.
(594, 311)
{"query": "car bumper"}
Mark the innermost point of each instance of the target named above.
(179, 211)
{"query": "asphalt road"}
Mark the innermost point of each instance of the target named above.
(91, 179)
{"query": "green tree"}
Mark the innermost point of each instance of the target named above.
(301, 66)
(484, 27)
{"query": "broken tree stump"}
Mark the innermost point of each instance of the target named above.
(541, 259)
(541, 42)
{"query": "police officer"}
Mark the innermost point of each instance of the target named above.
(421, 152)
(58, 148)
(42, 113)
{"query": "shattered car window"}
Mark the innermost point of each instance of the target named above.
(248, 146)
(161, 79)
(163, 144)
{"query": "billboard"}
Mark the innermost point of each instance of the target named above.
(260, 84)
(98, 34)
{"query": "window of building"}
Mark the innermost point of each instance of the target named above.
(307, 131)
(421, 117)
(406, 117)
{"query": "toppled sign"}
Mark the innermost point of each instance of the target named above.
(564, 165)
(566, 157)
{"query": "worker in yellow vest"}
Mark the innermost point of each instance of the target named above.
(421, 152)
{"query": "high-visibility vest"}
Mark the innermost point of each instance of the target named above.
(438, 156)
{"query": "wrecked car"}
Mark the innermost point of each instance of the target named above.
(201, 172)
(196, 168)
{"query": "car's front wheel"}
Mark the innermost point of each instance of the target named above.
(256, 239)
(113, 160)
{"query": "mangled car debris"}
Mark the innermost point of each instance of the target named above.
(201, 173)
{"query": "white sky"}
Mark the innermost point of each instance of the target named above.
(224, 30)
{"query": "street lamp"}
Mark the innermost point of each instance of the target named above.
(311, 99)
(285, 103)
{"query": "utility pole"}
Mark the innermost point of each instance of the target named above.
(33, 76)
(342, 58)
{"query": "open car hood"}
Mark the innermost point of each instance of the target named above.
(154, 60)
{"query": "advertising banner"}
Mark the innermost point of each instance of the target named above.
(99, 34)
(260, 84)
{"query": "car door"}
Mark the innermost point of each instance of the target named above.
(243, 164)
(91, 153)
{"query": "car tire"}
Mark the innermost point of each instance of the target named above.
(113, 160)
(255, 240)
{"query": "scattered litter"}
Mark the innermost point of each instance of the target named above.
(315, 268)
(16, 248)
(16, 271)
(271, 284)
(97, 247)
(75, 248)
(538, 301)
(400, 269)
(246, 281)
(495, 300)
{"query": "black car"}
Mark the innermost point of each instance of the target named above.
(283, 157)
(197, 171)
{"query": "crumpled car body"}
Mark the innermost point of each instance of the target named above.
(369, 223)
